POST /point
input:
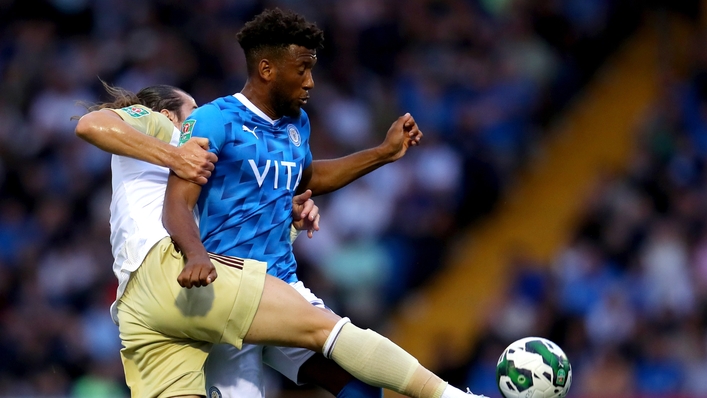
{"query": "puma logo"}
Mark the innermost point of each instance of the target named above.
(250, 131)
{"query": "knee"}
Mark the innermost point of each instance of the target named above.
(321, 329)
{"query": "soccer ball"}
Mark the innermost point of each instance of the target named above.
(533, 367)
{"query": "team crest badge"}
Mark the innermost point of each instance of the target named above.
(214, 392)
(185, 133)
(135, 111)
(293, 133)
(561, 375)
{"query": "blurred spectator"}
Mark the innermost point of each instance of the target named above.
(608, 375)
(627, 296)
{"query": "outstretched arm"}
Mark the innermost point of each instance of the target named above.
(178, 219)
(106, 130)
(324, 176)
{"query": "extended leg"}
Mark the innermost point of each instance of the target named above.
(285, 318)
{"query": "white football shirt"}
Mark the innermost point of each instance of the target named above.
(138, 198)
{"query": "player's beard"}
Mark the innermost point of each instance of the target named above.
(281, 102)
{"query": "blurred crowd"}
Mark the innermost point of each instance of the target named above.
(627, 297)
(481, 77)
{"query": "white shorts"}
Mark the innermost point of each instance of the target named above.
(233, 373)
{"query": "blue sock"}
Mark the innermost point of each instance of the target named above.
(359, 389)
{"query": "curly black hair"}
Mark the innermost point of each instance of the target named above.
(275, 29)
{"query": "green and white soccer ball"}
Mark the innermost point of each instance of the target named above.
(533, 367)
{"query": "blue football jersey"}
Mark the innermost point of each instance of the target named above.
(245, 210)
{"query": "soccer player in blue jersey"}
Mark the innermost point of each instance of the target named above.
(165, 344)
(261, 136)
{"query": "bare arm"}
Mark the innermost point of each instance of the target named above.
(324, 176)
(106, 130)
(178, 218)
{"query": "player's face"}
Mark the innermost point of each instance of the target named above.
(188, 106)
(293, 81)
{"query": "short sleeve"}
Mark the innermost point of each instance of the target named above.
(147, 122)
(306, 129)
(206, 122)
(308, 159)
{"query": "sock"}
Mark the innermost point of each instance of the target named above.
(427, 384)
(359, 389)
(333, 336)
(377, 361)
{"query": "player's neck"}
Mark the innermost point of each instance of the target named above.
(259, 98)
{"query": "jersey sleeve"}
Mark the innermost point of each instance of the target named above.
(308, 159)
(306, 128)
(206, 122)
(147, 122)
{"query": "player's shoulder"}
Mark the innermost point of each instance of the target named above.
(139, 111)
(146, 121)
(217, 109)
(206, 110)
(227, 103)
(304, 116)
(136, 111)
(141, 114)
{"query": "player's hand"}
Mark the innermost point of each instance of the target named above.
(305, 214)
(197, 272)
(193, 161)
(403, 134)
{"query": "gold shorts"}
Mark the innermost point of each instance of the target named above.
(167, 331)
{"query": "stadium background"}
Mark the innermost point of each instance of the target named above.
(561, 189)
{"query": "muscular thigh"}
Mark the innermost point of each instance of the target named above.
(303, 366)
(285, 318)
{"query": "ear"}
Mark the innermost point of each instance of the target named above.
(266, 69)
(170, 115)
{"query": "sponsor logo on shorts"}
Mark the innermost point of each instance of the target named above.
(214, 392)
